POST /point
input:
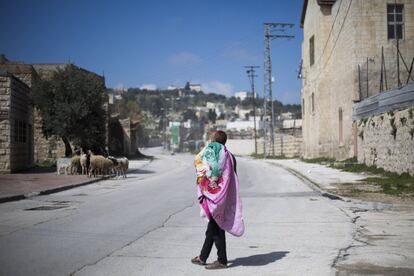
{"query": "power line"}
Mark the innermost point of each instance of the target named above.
(271, 31)
(251, 74)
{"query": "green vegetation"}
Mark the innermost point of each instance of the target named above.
(391, 183)
(260, 156)
(46, 164)
(71, 105)
(356, 167)
(321, 160)
(156, 102)
(394, 184)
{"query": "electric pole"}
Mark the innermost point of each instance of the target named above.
(271, 31)
(251, 74)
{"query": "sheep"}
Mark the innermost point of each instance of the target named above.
(75, 164)
(83, 163)
(99, 165)
(124, 164)
(120, 165)
(63, 163)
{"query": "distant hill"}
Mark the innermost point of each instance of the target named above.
(181, 100)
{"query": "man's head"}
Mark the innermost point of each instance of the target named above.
(219, 137)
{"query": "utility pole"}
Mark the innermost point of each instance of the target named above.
(251, 74)
(271, 31)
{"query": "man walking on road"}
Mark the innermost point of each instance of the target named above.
(218, 194)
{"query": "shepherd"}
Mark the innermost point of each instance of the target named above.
(218, 195)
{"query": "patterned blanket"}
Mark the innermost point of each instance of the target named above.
(218, 188)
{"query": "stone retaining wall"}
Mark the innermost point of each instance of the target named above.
(387, 141)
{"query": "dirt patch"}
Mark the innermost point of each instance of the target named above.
(370, 192)
(370, 269)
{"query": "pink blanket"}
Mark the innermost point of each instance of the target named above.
(222, 203)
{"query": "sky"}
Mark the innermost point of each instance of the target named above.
(157, 43)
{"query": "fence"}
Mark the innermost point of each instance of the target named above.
(378, 74)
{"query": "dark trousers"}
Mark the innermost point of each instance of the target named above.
(216, 235)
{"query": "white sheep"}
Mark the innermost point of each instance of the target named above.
(75, 164)
(83, 162)
(63, 163)
(120, 165)
(99, 165)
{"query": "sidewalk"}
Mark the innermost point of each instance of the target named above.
(383, 224)
(38, 181)
(42, 181)
(322, 177)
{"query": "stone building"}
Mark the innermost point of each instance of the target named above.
(342, 62)
(16, 124)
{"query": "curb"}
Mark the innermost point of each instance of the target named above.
(313, 185)
(50, 191)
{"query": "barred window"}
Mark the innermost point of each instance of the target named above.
(395, 18)
(20, 132)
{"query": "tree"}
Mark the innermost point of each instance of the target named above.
(71, 105)
(212, 115)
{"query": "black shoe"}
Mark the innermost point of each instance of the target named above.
(196, 260)
(216, 265)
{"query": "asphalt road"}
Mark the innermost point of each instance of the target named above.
(149, 224)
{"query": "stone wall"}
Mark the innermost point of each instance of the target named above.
(4, 123)
(16, 124)
(387, 141)
(345, 35)
(46, 149)
(287, 144)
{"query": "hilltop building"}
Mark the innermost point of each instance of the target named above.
(195, 87)
(243, 95)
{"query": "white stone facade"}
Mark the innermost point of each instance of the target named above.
(345, 34)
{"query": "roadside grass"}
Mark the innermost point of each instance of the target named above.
(390, 183)
(261, 156)
(319, 160)
(46, 164)
(393, 184)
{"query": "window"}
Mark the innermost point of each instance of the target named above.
(395, 20)
(16, 131)
(341, 135)
(313, 102)
(303, 108)
(312, 50)
(20, 132)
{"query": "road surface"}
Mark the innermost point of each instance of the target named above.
(149, 224)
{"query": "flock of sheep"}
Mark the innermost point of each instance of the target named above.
(91, 164)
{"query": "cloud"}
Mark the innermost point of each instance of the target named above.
(218, 87)
(184, 59)
(149, 86)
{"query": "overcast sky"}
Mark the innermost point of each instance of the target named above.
(154, 43)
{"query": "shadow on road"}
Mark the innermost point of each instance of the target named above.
(139, 171)
(259, 259)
